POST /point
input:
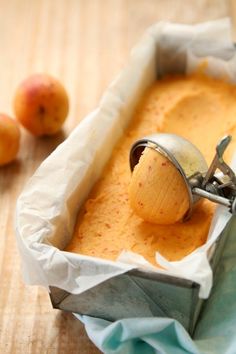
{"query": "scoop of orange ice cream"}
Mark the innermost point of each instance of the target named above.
(157, 190)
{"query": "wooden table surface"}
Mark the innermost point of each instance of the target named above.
(84, 43)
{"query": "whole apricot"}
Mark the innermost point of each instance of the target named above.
(41, 104)
(9, 139)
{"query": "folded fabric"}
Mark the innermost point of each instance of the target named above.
(139, 336)
(214, 334)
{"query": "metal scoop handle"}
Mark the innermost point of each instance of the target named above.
(218, 162)
(211, 187)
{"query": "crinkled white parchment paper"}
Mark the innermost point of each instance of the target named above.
(47, 208)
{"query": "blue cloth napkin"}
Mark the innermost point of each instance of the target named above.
(215, 332)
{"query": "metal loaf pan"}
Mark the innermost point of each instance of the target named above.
(139, 293)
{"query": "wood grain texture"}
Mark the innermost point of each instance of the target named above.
(84, 44)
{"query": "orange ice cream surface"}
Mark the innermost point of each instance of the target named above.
(200, 109)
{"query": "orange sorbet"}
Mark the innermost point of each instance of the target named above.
(196, 107)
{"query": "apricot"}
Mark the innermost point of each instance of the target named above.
(9, 139)
(41, 104)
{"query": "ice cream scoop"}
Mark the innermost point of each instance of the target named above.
(170, 175)
(157, 191)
